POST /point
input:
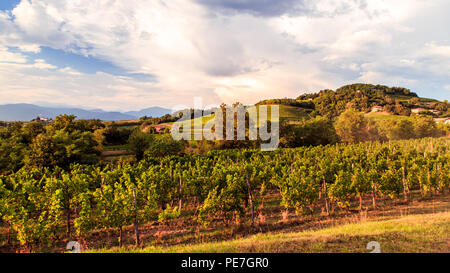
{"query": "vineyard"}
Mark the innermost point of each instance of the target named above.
(41, 206)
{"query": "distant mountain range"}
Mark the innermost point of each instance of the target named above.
(27, 112)
(150, 112)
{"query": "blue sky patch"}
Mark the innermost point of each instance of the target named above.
(87, 65)
(8, 4)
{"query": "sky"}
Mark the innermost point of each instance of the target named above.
(129, 55)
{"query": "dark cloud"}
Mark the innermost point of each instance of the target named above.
(234, 68)
(266, 8)
(271, 8)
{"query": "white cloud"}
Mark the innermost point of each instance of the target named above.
(439, 50)
(41, 64)
(11, 57)
(34, 48)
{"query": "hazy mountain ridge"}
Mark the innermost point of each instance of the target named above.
(27, 112)
(150, 112)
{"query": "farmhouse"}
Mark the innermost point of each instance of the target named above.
(418, 110)
(43, 120)
(377, 109)
(442, 120)
(159, 128)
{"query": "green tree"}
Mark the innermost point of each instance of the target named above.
(316, 131)
(397, 129)
(425, 126)
(32, 129)
(12, 153)
(139, 142)
(63, 122)
(42, 151)
(62, 149)
(164, 146)
(352, 126)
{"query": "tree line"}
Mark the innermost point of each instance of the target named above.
(68, 140)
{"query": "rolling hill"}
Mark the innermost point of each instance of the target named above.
(365, 98)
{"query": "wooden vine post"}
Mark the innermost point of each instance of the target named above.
(250, 197)
(136, 225)
(180, 200)
(374, 195)
(404, 184)
(325, 197)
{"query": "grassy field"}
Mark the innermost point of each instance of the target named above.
(116, 152)
(115, 147)
(286, 112)
(292, 113)
(382, 116)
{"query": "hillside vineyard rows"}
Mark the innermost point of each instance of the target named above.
(40, 206)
